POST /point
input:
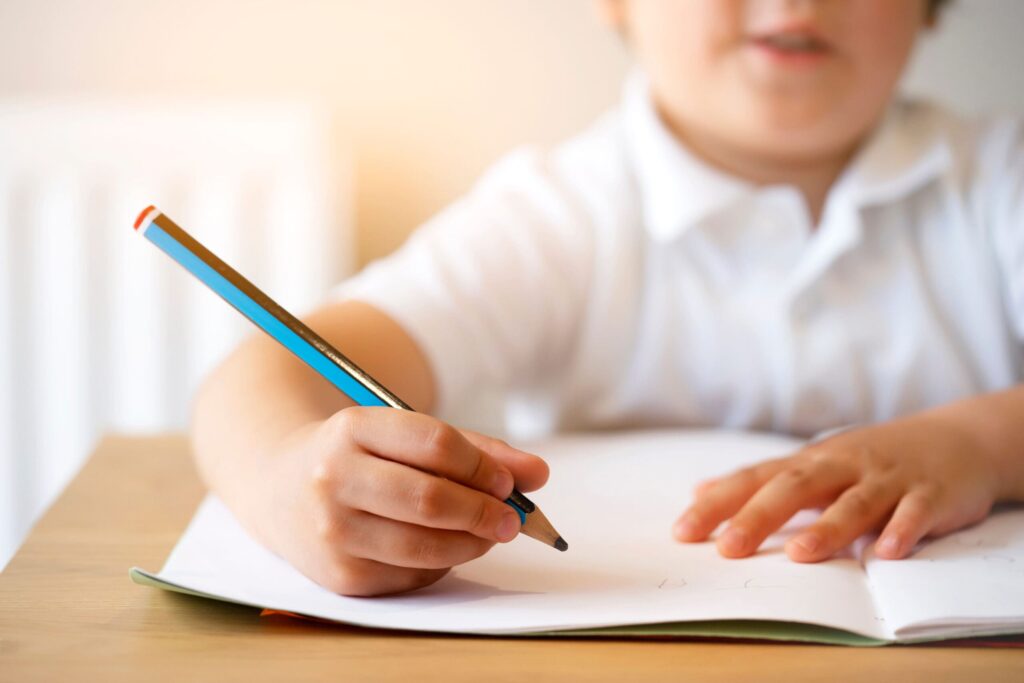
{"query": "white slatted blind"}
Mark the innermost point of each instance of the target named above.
(98, 329)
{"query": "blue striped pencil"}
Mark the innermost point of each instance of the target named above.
(295, 336)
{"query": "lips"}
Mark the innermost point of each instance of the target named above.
(790, 47)
(791, 42)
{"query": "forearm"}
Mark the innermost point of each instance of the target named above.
(995, 423)
(261, 393)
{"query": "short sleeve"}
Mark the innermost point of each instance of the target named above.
(492, 288)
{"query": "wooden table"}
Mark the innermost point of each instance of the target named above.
(69, 612)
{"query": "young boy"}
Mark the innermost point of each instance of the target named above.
(759, 237)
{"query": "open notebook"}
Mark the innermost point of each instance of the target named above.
(614, 498)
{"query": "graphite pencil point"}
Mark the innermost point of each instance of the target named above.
(537, 526)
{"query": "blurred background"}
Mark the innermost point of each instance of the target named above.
(299, 140)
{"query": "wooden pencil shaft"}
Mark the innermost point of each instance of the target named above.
(254, 304)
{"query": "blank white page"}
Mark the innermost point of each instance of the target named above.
(969, 582)
(614, 498)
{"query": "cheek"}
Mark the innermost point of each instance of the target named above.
(685, 45)
(882, 34)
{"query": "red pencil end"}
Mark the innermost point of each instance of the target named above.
(138, 221)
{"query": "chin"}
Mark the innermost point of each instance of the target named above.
(797, 127)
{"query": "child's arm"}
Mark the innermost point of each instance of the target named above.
(362, 500)
(926, 474)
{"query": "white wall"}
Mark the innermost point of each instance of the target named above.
(974, 61)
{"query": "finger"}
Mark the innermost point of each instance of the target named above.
(390, 489)
(407, 545)
(800, 485)
(721, 500)
(913, 518)
(530, 472)
(857, 511)
(425, 443)
(358, 577)
(702, 488)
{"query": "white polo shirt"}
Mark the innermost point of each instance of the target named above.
(618, 281)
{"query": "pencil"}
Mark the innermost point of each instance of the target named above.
(306, 344)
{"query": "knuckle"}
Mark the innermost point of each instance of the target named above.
(323, 525)
(751, 518)
(428, 499)
(819, 452)
(428, 553)
(829, 459)
(914, 512)
(342, 425)
(888, 466)
(321, 479)
(796, 477)
(930, 496)
(328, 478)
(869, 454)
(441, 441)
(939, 492)
(479, 522)
(330, 527)
(857, 504)
(828, 530)
(922, 505)
(479, 467)
(746, 476)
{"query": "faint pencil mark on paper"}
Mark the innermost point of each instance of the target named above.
(755, 582)
(998, 558)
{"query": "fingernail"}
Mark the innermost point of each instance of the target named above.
(809, 542)
(508, 527)
(686, 527)
(734, 541)
(502, 484)
(890, 546)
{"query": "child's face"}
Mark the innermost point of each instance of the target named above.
(792, 79)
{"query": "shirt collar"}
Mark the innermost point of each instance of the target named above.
(678, 190)
(906, 151)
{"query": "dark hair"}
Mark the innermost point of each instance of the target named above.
(935, 7)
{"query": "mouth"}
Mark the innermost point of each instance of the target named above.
(790, 46)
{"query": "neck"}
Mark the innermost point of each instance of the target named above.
(812, 177)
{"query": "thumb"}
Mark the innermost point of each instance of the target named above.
(529, 471)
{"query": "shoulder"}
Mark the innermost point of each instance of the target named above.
(579, 182)
(985, 152)
(986, 167)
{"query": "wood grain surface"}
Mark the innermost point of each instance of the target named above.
(68, 612)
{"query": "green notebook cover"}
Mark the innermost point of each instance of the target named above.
(738, 629)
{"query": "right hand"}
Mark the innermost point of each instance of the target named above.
(377, 500)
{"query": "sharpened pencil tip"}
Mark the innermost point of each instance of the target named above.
(560, 544)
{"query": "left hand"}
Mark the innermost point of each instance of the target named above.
(915, 477)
